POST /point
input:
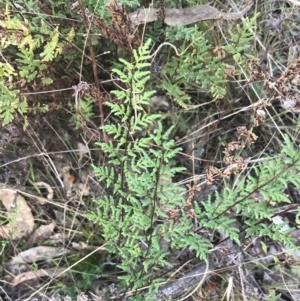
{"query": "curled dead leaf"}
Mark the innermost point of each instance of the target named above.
(48, 187)
(41, 233)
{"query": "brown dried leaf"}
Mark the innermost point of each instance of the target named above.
(41, 233)
(52, 272)
(37, 253)
(22, 220)
(184, 16)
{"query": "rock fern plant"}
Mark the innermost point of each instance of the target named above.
(144, 220)
(138, 200)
